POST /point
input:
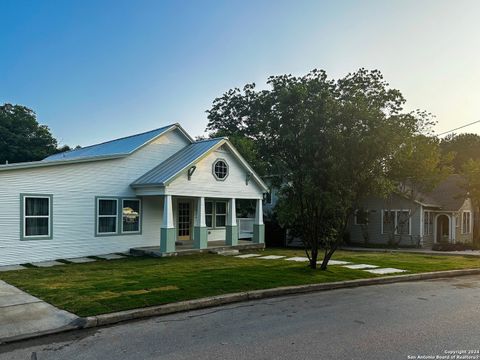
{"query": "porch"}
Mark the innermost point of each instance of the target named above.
(200, 224)
(188, 248)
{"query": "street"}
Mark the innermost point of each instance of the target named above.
(374, 322)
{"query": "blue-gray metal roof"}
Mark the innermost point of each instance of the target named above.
(118, 147)
(163, 172)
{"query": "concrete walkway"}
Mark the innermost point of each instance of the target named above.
(22, 314)
(414, 251)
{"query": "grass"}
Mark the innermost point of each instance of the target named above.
(108, 286)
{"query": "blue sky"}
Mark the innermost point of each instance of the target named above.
(97, 70)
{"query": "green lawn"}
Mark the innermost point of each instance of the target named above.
(108, 286)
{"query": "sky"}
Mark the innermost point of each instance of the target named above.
(98, 70)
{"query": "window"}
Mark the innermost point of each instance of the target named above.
(396, 221)
(466, 222)
(427, 223)
(37, 216)
(220, 214)
(220, 169)
(209, 214)
(107, 216)
(131, 216)
(361, 217)
(215, 214)
(403, 222)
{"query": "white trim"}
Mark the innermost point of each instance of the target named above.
(469, 231)
(396, 220)
(259, 213)
(25, 217)
(435, 226)
(214, 213)
(167, 222)
(355, 222)
(232, 213)
(139, 216)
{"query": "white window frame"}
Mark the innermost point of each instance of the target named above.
(139, 216)
(210, 214)
(221, 214)
(355, 221)
(25, 217)
(469, 230)
(213, 214)
(98, 216)
(396, 220)
(427, 218)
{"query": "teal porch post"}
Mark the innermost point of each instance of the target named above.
(258, 226)
(200, 240)
(231, 236)
(168, 231)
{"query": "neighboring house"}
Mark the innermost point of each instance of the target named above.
(149, 189)
(444, 215)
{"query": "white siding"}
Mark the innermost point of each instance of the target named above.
(74, 188)
(203, 183)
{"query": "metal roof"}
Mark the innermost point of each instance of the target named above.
(182, 159)
(118, 147)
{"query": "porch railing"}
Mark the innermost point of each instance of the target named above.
(245, 228)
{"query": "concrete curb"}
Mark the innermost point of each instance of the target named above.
(407, 251)
(182, 306)
(107, 319)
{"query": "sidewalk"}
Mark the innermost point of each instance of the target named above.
(473, 253)
(22, 315)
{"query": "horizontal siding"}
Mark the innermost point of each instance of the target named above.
(74, 188)
(203, 183)
(373, 231)
(459, 237)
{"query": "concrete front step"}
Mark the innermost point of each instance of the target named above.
(154, 251)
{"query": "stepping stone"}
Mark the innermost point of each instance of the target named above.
(11, 268)
(246, 256)
(338, 262)
(385, 271)
(227, 252)
(80, 260)
(45, 264)
(111, 257)
(271, 257)
(298, 258)
(360, 266)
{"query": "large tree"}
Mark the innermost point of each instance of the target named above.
(462, 147)
(331, 143)
(22, 138)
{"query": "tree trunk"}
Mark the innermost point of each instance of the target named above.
(326, 258)
(313, 258)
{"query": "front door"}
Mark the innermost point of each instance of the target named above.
(184, 220)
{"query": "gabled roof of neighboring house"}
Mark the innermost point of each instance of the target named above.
(168, 170)
(107, 150)
(449, 194)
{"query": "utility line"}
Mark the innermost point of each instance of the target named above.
(458, 128)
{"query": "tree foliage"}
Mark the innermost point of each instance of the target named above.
(22, 138)
(461, 148)
(331, 143)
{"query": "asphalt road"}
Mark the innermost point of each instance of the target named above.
(374, 322)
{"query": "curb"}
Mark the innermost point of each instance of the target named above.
(406, 251)
(113, 318)
(203, 303)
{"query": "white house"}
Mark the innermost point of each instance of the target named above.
(151, 189)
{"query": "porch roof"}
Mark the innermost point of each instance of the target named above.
(178, 162)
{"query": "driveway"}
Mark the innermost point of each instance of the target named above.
(375, 322)
(22, 314)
